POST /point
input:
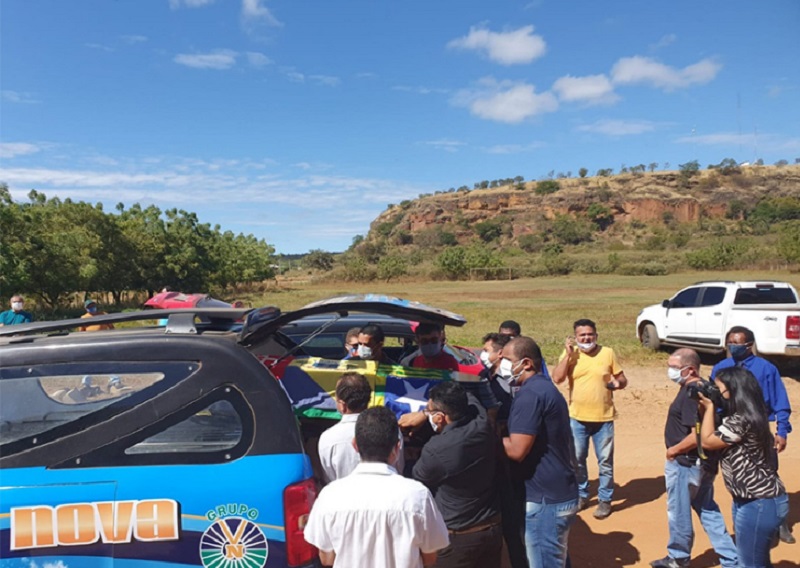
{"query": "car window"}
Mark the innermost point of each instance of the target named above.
(685, 299)
(217, 427)
(34, 405)
(713, 296)
(765, 295)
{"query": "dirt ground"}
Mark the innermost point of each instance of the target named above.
(636, 532)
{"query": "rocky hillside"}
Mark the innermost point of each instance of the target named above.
(529, 207)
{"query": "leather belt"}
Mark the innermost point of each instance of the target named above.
(489, 523)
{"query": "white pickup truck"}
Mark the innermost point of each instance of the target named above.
(701, 315)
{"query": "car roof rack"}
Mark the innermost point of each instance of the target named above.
(179, 320)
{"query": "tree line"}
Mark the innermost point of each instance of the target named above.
(52, 249)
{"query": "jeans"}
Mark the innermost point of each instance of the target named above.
(693, 488)
(756, 521)
(602, 436)
(547, 532)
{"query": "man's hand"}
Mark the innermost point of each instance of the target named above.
(780, 443)
(411, 421)
(671, 453)
(569, 345)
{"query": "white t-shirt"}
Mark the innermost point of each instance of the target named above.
(375, 517)
(337, 454)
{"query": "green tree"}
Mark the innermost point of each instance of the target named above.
(582, 172)
(488, 230)
(789, 242)
(600, 215)
(319, 259)
(571, 230)
(392, 266)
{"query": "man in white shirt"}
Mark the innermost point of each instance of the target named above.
(336, 452)
(375, 517)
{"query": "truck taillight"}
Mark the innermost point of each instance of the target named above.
(297, 502)
(793, 327)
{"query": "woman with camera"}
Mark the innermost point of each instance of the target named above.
(749, 463)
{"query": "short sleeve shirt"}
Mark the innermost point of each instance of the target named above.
(589, 399)
(375, 517)
(748, 473)
(681, 420)
(540, 410)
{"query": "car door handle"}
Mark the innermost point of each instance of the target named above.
(688, 313)
(770, 318)
(717, 313)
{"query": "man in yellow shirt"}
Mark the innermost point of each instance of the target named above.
(593, 373)
(91, 311)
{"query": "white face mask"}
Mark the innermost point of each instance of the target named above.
(513, 377)
(586, 347)
(485, 358)
(505, 369)
(16, 306)
(433, 424)
(675, 375)
(365, 352)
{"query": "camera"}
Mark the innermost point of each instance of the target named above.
(708, 390)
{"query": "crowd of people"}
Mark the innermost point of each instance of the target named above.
(501, 462)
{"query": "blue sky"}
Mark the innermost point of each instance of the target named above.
(299, 120)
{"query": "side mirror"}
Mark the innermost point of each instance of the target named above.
(665, 304)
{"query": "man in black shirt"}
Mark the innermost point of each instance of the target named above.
(689, 480)
(458, 466)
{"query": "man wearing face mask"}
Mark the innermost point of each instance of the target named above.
(16, 315)
(458, 466)
(432, 356)
(689, 480)
(593, 374)
(370, 345)
(739, 342)
(91, 311)
(540, 441)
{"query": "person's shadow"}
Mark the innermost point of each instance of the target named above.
(607, 550)
(639, 492)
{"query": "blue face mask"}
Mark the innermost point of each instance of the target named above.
(738, 352)
(92, 310)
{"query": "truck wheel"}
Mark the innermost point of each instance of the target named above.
(650, 337)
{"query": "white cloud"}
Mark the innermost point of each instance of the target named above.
(99, 46)
(764, 142)
(13, 149)
(133, 39)
(175, 4)
(639, 69)
(618, 127)
(220, 59)
(258, 59)
(514, 148)
(591, 89)
(326, 80)
(451, 146)
(254, 10)
(507, 48)
(665, 41)
(505, 101)
(419, 90)
(17, 97)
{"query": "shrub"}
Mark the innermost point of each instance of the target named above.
(570, 230)
(546, 187)
(392, 266)
(720, 254)
(789, 242)
(488, 230)
(530, 242)
(642, 269)
(357, 269)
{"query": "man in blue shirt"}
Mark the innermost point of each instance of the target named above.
(740, 341)
(540, 440)
(16, 314)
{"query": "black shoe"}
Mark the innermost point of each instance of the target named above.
(785, 534)
(583, 502)
(603, 510)
(669, 562)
